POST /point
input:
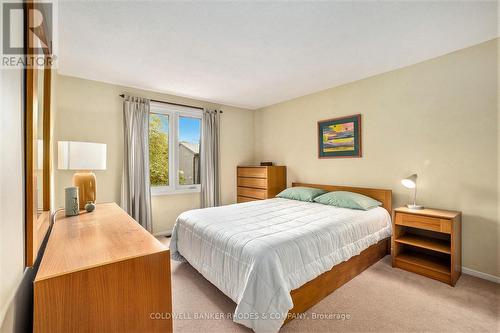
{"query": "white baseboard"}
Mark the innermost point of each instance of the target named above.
(163, 233)
(481, 275)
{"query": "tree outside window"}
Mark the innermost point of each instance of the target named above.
(158, 150)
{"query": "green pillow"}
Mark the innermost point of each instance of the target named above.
(301, 193)
(345, 199)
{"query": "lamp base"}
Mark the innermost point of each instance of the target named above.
(415, 207)
(85, 181)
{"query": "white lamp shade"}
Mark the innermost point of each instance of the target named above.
(73, 155)
(410, 181)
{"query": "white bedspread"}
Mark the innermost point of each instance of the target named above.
(257, 252)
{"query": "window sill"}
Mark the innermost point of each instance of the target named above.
(174, 192)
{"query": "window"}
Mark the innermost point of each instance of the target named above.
(189, 150)
(174, 149)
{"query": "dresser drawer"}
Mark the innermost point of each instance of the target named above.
(245, 199)
(252, 172)
(252, 192)
(423, 222)
(252, 182)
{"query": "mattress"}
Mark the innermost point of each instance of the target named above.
(257, 252)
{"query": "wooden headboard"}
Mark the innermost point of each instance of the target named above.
(384, 196)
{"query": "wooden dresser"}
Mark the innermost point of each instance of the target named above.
(428, 242)
(102, 272)
(260, 182)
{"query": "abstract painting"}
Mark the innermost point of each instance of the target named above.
(340, 137)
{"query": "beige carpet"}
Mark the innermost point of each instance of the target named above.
(381, 299)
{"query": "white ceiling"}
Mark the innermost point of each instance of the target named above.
(256, 54)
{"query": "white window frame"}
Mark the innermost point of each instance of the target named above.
(174, 112)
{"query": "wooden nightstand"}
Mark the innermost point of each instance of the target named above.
(428, 242)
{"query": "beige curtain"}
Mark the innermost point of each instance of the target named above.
(136, 196)
(210, 179)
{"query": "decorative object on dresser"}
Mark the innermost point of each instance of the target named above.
(71, 203)
(102, 272)
(428, 242)
(266, 163)
(411, 182)
(339, 137)
(260, 182)
(89, 206)
(83, 157)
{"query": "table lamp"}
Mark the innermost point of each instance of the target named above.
(411, 182)
(82, 157)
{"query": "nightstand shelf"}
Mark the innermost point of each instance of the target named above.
(434, 263)
(434, 244)
(428, 242)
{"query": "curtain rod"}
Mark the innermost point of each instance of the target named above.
(177, 104)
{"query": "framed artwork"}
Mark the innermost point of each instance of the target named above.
(339, 137)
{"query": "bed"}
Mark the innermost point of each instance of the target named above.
(275, 258)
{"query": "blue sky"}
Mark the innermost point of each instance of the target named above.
(189, 128)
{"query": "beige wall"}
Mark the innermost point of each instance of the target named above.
(92, 111)
(437, 118)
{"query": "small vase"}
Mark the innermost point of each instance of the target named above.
(71, 206)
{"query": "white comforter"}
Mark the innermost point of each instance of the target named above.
(257, 252)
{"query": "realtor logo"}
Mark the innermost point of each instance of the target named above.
(39, 17)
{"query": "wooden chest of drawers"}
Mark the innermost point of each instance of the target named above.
(260, 182)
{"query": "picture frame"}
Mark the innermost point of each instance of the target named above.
(340, 137)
